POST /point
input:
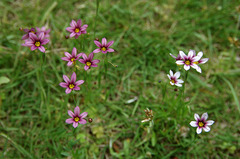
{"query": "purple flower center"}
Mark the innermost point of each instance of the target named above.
(37, 43)
(77, 30)
(103, 49)
(71, 86)
(88, 63)
(76, 119)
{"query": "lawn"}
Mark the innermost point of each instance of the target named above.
(34, 108)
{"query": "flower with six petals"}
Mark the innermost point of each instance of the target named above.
(76, 117)
(201, 123)
(72, 58)
(76, 28)
(174, 79)
(71, 84)
(104, 47)
(88, 61)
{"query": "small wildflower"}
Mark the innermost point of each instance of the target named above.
(76, 28)
(71, 84)
(72, 58)
(76, 117)
(174, 79)
(104, 47)
(189, 60)
(28, 31)
(36, 42)
(88, 61)
(43, 30)
(149, 115)
(201, 123)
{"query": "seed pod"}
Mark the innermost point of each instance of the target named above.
(97, 39)
(90, 120)
(67, 37)
(21, 29)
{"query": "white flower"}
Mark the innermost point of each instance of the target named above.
(188, 60)
(201, 123)
(174, 79)
(200, 61)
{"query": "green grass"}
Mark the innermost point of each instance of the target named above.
(33, 107)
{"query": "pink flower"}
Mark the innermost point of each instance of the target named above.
(188, 61)
(44, 30)
(201, 123)
(76, 29)
(26, 36)
(76, 117)
(71, 84)
(72, 58)
(174, 79)
(104, 47)
(88, 61)
(36, 42)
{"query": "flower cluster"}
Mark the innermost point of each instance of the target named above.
(36, 38)
(76, 30)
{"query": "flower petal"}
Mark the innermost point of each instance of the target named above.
(104, 41)
(76, 88)
(193, 124)
(66, 79)
(178, 84)
(196, 117)
(70, 29)
(64, 85)
(204, 116)
(69, 121)
(70, 113)
(96, 50)
(41, 36)
(94, 65)
(73, 23)
(77, 111)
(177, 75)
(78, 56)
(68, 90)
(90, 56)
(209, 122)
(110, 50)
(186, 67)
(196, 58)
(74, 52)
(84, 114)
(95, 61)
(179, 62)
(169, 76)
(86, 67)
(97, 43)
(33, 47)
(45, 41)
(79, 23)
(82, 61)
(79, 82)
(182, 54)
(82, 121)
(203, 60)
(206, 128)
(171, 73)
(180, 81)
(72, 34)
(73, 77)
(24, 37)
(109, 43)
(75, 124)
(199, 130)
(68, 55)
(200, 54)
(84, 56)
(33, 36)
(171, 83)
(69, 63)
(173, 56)
(190, 54)
(41, 48)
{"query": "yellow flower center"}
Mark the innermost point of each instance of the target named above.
(37, 43)
(33, 32)
(88, 63)
(104, 49)
(71, 86)
(187, 62)
(77, 30)
(172, 81)
(200, 124)
(196, 62)
(72, 59)
(76, 119)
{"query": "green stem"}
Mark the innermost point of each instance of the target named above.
(97, 4)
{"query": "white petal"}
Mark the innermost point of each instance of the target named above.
(171, 83)
(194, 66)
(193, 124)
(177, 74)
(206, 128)
(182, 54)
(199, 130)
(209, 122)
(171, 73)
(186, 67)
(180, 81)
(173, 56)
(204, 116)
(169, 76)
(190, 54)
(203, 60)
(179, 62)
(196, 116)
(199, 69)
(200, 54)
(178, 84)
(196, 58)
